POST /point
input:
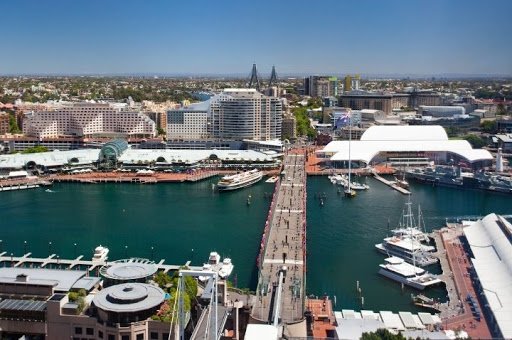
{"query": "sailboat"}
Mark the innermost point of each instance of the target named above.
(349, 192)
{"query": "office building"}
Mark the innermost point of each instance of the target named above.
(189, 123)
(359, 100)
(4, 123)
(441, 111)
(351, 83)
(321, 86)
(88, 120)
(289, 128)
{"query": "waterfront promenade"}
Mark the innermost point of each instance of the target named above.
(283, 249)
(456, 313)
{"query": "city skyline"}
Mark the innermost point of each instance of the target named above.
(368, 37)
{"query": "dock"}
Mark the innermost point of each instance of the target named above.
(456, 313)
(282, 261)
(391, 184)
(54, 261)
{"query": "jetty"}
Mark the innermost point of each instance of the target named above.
(280, 294)
(391, 184)
(54, 261)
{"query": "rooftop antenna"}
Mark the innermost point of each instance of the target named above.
(254, 82)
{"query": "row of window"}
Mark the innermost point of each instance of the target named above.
(101, 335)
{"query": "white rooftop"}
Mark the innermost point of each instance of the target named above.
(490, 241)
(402, 139)
(61, 280)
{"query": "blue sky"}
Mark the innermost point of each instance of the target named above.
(216, 37)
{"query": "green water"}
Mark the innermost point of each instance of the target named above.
(186, 221)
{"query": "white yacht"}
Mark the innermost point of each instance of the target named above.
(398, 270)
(240, 180)
(415, 233)
(100, 254)
(407, 248)
(226, 269)
(214, 258)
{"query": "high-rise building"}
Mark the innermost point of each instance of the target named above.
(359, 100)
(88, 120)
(289, 129)
(321, 86)
(239, 114)
(351, 82)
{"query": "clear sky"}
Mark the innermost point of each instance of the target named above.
(224, 36)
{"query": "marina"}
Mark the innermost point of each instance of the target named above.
(336, 217)
(54, 261)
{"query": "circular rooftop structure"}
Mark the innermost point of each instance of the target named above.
(129, 297)
(129, 269)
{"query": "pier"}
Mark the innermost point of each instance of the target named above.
(54, 261)
(455, 264)
(282, 261)
(391, 184)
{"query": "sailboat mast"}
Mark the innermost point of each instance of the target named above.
(349, 142)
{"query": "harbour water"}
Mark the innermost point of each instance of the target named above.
(184, 221)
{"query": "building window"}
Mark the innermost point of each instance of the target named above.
(165, 336)
(89, 331)
(100, 334)
(125, 337)
(78, 330)
(111, 337)
(154, 336)
(140, 336)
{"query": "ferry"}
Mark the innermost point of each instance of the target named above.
(398, 270)
(100, 254)
(240, 180)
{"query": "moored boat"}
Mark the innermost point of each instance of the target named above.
(398, 270)
(240, 180)
(100, 254)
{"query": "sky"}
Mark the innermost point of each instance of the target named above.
(418, 37)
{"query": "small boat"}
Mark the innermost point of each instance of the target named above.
(49, 190)
(226, 268)
(349, 192)
(100, 254)
(272, 179)
(214, 258)
(400, 271)
(421, 300)
(358, 186)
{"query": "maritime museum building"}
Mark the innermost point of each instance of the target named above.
(403, 146)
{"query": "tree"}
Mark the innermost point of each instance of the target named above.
(13, 124)
(476, 142)
(382, 334)
(36, 149)
(160, 131)
(489, 126)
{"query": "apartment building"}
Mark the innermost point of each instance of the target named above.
(88, 120)
(4, 123)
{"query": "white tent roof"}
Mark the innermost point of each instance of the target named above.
(489, 240)
(405, 133)
(367, 150)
